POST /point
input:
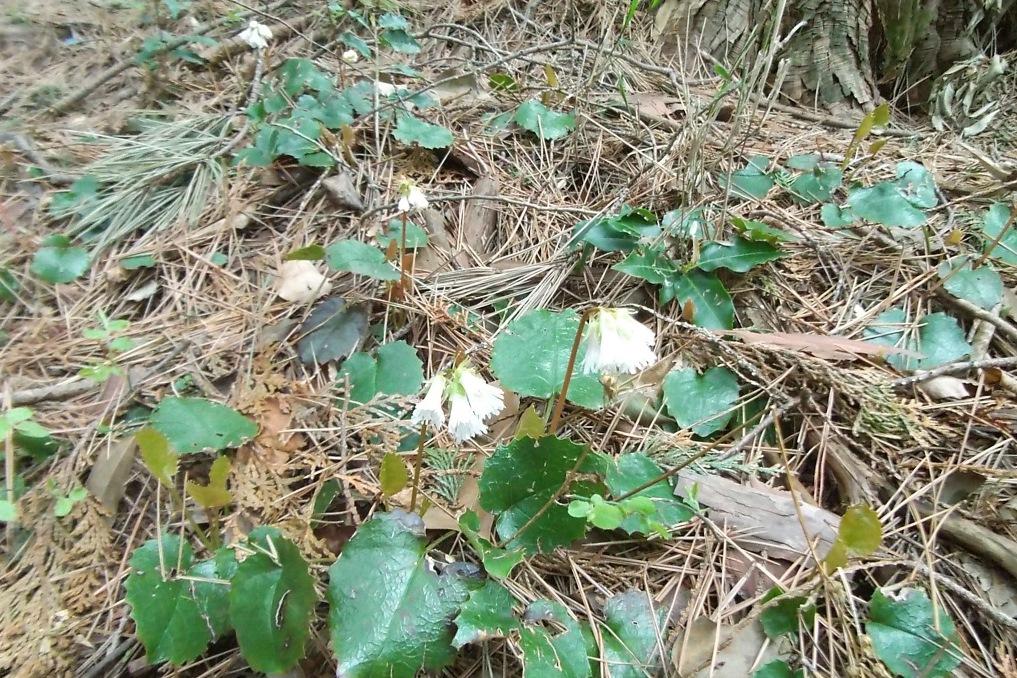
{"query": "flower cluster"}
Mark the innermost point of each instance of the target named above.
(617, 342)
(256, 34)
(472, 401)
(411, 198)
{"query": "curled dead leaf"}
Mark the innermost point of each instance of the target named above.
(944, 388)
(301, 282)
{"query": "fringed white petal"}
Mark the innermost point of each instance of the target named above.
(430, 408)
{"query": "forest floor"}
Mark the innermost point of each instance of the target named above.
(834, 324)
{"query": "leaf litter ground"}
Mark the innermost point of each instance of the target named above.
(506, 200)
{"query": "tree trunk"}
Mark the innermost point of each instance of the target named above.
(845, 52)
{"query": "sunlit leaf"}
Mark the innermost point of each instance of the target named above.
(214, 494)
(393, 475)
(545, 123)
(196, 424)
(155, 451)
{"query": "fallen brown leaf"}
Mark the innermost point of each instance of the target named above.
(825, 346)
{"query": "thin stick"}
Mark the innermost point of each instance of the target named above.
(744, 442)
(9, 470)
(560, 404)
(418, 463)
(904, 382)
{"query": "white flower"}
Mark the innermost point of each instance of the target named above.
(429, 409)
(350, 56)
(472, 401)
(617, 342)
(256, 34)
(412, 198)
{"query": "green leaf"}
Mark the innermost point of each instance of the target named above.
(393, 475)
(940, 340)
(531, 355)
(400, 41)
(884, 204)
(996, 219)
(685, 223)
(272, 600)
(400, 371)
(711, 304)
(905, 637)
(701, 402)
(65, 504)
(361, 370)
(196, 424)
(486, 614)
(916, 184)
(213, 597)
(416, 237)
(214, 494)
(502, 82)
(740, 256)
(8, 511)
(778, 668)
(555, 654)
(156, 455)
(80, 194)
(630, 636)
(498, 562)
(397, 371)
(860, 530)
(531, 425)
(393, 21)
(628, 472)
(519, 479)
(331, 332)
(601, 514)
(758, 231)
(652, 265)
(300, 74)
(356, 42)
(309, 253)
(9, 286)
(620, 232)
(545, 123)
(837, 217)
(981, 286)
(412, 130)
(137, 261)
(57, 261)
(167, 618)
(752, 181)
(360, 258)
(389, 614)
(785, 616)
(815, 185)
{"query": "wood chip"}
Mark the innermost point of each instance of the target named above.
(110, 472)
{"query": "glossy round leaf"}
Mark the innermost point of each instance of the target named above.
(702, 402)
(519, 479)
(360, 258)
(412, 130)
(389, 613)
